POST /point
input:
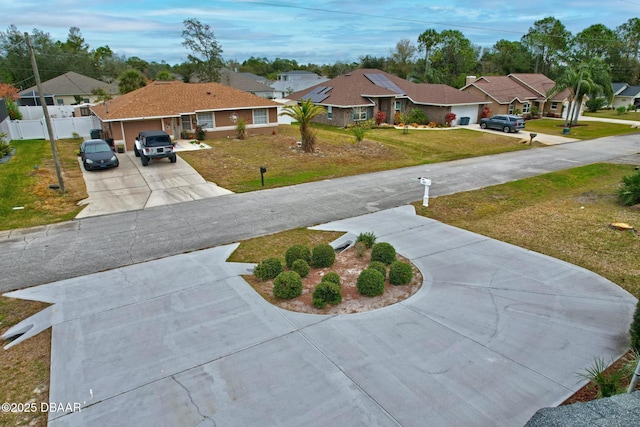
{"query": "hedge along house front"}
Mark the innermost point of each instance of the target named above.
(360, 94)
(176, 107)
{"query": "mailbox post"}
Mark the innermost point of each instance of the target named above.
(427, 183)
(263, 170)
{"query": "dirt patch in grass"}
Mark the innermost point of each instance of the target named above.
(24, 367)
(348, 266)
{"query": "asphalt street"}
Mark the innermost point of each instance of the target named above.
(75, 248)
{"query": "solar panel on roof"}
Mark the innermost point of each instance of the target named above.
(318, 94)
(383, 81)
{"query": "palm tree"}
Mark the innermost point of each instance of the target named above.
(303, 113)
(578, 83)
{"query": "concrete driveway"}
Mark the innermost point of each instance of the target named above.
(495, 333)
(131, 186)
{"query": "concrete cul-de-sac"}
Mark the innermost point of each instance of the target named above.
(495, 333)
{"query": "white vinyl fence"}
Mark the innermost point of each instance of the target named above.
(37, 129)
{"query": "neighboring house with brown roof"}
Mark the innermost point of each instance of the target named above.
(174, 107)
(68, 89)
(360, 94)
(518, 92)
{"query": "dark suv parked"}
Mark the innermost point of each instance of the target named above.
(504, 122)
(154, 144)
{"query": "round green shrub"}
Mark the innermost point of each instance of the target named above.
(370, 282)
(268, 269)
(400, 273)
(301, 267)
(332, 277)
(383, 252)
(297, 252)
(380, 266)
(287, 285)
(322, 256)
(367, 238)
(326, 293)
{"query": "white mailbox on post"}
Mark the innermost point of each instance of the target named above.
(427, 183)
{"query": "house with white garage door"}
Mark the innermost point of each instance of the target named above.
(361, 94)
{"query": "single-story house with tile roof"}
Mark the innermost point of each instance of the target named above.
(68, 89)
(625, 95)
(174, 107)
(522, 92)
(360, 94)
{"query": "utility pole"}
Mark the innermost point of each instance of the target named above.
(47, 119)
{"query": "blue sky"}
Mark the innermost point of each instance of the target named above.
(320, 32)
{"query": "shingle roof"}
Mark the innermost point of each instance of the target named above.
(173, 98)
(356, 89)
(523, 87)
(247, 82)
(632, 91)
(73, 84)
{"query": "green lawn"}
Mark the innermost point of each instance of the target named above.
(613, 114)
(235, 164)
(584, 130)
(26, 197)
(563, 214)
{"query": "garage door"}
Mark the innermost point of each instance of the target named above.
(133, 128)
(470, 111)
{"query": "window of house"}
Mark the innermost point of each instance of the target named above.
(554, 105)
(86, 100)
(60, 101)
(359, 113)
(329, 112)
(260, 117)
(526, 107)
(205, 120)
(186, 122)
(511, 108)
(85, 112)
(398, 106)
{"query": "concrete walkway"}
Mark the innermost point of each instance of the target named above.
(131, 186)
(495, 333)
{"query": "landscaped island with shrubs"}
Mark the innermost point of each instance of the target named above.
(364, 277)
